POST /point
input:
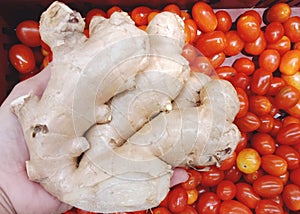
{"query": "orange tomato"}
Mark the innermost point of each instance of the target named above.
(279, 12)
(248, 160)
(204, 17)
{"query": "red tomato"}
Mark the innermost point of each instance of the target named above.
(139, 212)
(226, 190)
(188, 210)
(263, 143)
(276, 84)
(22, 58)
(250, 178)
(204, 16)
(211, 43)
(290, 155)
(233, 174)
(185, 15)
(208, 203)
(224, 21)
(191, 24)
(290, 62)
(269, 60)
(228, 163)
(212, 177)
(177, 199)
(161, 210)
(72, 211)
(261, 81)
(282, 45)
(234, 43)
(253, 13)
(273, 164)
(290, 119)
(279, 12)
(274, 32)
(242, 143)
(113, 9)
(248, 28)
(295, 110)
(140, 15)
(257, 46)
(226, 72)
(241, 80)
(268, 207)
(268, 186)
(172, 8)
(292, 28)
(217, 59)
(291, 197)
(295, 175)
(93, 12)
(193, 181)
(248, 160)
(245, 194)
(234, 207)
(249, 123)
(276, 127)
(259, 105)
(28, 33)
(266, 123)
(293, 80)
(80, 211)
(289, 135)
(244, 65)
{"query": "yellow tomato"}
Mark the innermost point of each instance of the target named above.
(248, 160)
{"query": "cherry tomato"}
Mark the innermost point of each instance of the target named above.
(242, 143)
(285, 177)
(273, 164)
(226, 190)
(248, 160)
(263, 143)
(241, 80)
(289, 135)
(22, 58)
(261, 81)
(253, 13)
(177, 199)
(212, 177)
(191, 24)
(234, 43)
(250, 178)
(161, 210)
(259, 105)
(226, 72)
(233, 174)
(291, 197)
(244, 102)
(279, 12)
(113, 9)
(290, 62)
(188, 210)
(28, 33)
(268, 207)
(172, 8)
(292, 28)
(276, 127)
(276, 84)
(269, 60)
(217, 59)
(228, 163)
(282, 45)
(140, 15)
(93, 12)
(193, 181)
(295, 175)
(250, 122)
(192, 196)
(293, 80)
(287, 97)
(234, 207)
(295, 110)
(257, 46)
(266, 123)
(211, 43)
(244, 65)
(139, 212)
(290, 119)
(80, 211)
(268, 186)
(290, 155)
(185, 15)
(245, 194)
(274, 32)
(208, 203)
(248, 28)
(224, 21)
(204, 16)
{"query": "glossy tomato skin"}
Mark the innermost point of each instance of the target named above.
(259, 105)
(191, 24)
(289, 135)
(226, 190)
(208, 203)
(229, 162)
(28, 33)
(244, 102)
(248, 160)
(295, 175)
(273, 164)
(269, 60)
(263, 143)
(282, 45)
(217, 59)
(287, 97)
(274, 32)
(276, 84)
(140, 15)
(233, 174)
(226, 72)
(257, 46)
(290, 62)
(177, 199)
(93, 12)
(234, 207)
(204, 16)
(244, 65)
(245, 194)
(243, 142)
(234, 43)
(279, 12)
(261, 81)
(224, 21)
(241, 80)
(266, 206)
(174, 8)
(290, 155)
(292, 28)
(211, 43)
(250, 122)
(266, 123)
(250, 178)
(248, 28)
(193, 181)
(293, 80)
(291, 197)
(212, 177)
(161, 210)
(22, 58)
(189, 210)
(268, 186)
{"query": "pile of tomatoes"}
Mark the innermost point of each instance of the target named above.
(263, 174)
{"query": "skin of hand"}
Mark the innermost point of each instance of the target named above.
(28, 197)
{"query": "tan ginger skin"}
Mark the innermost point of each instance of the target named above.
(120, 111)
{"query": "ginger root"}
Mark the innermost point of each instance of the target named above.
(121, 110)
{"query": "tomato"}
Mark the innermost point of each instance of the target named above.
(293, 80)
(250, 178)
(290, 155)
(250, 122)
(204, 16)
(191, 24)
(245, 194)
(290, 62)
(93, 12)
(172, 8)
(80, 211)
(255, 14)
(212, 177)
(22, 58)
(291, 197)
(261, 81)
(28, 33)
(268, 186)
(276, 127)
(248, 28)
(226, 72)
(274, 110)
(266, 123)
(177, 199)
(228, 163)
(285, 177)
(242, 143)
(71, 211)
(259, 105)
(282, 45)
(290, 119)
(292, 28)
(233, 174)
(160, 210)
(234, 43)
(208, 203)
(263, 143)
(113, 9)
(193, 181)
(244, 65)
(241, 80)
(295, 175)
(279, 12)
(217, 59)
(248, 160)
(276, 84)
(274, 32)
(234, 207)
(185, 15)
(139, 212)
(273, 164)
(269, 60)
(224, 21)
(268, 207)
(211, 43)
(287, 97)
(289, 135)
(257, 46)
(140, 15)
(295, 110)
(188, 210)
(192, 196)
(226, 190)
